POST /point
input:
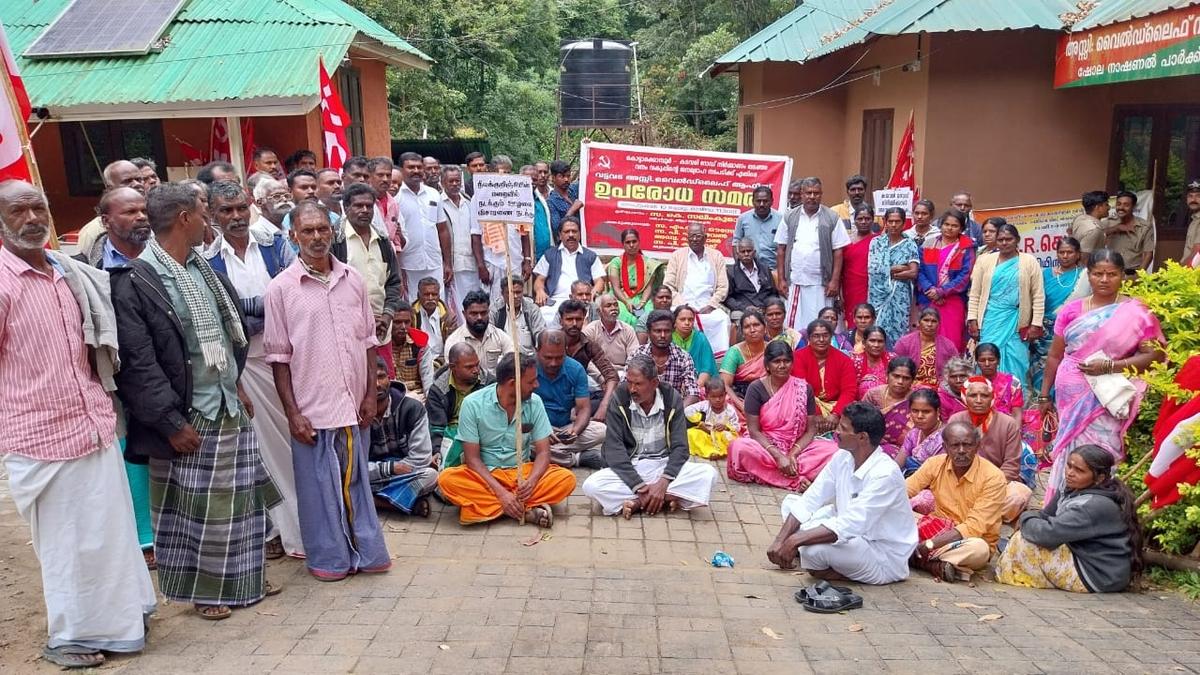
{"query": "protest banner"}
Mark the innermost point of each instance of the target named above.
(893, 197)
(658, 191)
(1040, 225)
(502, 200)
(1166, 44)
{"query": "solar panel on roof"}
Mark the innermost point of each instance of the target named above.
(105, 27)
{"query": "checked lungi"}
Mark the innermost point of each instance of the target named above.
(210, 516)
(338, 522)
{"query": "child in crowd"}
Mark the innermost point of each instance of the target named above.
(714, 424)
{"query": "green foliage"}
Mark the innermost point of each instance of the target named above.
(1173, 295)
(1186, 582)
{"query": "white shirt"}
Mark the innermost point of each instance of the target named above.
(569, 274)
(367, 260)
(496, 258)
(420, 212)
(458, 217)
(933, 232)
(249, 277)
(806, 257)
(870, 503)
(699, 281)
(432, 325)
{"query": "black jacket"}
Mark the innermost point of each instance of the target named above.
(155, 379)
(620, 445)
(1089, 522)
(391, 287)
(440, 400)
(741, 291)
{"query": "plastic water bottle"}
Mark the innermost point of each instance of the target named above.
(722, 559)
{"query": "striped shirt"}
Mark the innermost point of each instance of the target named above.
(323, 331)
(53, 404)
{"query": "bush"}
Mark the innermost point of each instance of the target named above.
(1173, 294)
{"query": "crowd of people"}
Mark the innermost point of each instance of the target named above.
(252, 369)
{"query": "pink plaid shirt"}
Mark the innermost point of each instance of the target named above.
(51, 401)
(323, 331)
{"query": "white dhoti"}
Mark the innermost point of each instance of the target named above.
(804, 304)
(550, 314)
(413, 279)
(854, 558)
(94, 579)
(464, 283)
(274, 446)
(692, 487)
(715, 326)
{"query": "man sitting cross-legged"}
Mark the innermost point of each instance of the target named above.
(563, 389)
(646, 449)
(968, 493)
(1000, 441)
(854, 521)
(485, 487)
(459, 378)
(401, 464)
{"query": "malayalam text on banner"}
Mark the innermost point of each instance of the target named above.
(658, 191)
(502, 200)
(1040, 225)
(1166, 44)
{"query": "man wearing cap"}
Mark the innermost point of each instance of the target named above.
(1191, 242)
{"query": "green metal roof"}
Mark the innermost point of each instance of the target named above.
(258, 55)
(816, 28)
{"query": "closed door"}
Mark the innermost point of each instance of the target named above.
(876, 164)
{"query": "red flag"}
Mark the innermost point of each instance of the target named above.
(191, 155)
(219, 145)
(904, 175)
(333, 121)
(12, 156)
(1175, 433)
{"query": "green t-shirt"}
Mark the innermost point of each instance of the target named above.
(483, 421)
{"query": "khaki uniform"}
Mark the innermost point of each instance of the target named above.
(1132, 245)
(1088, 231)
(1192, 238)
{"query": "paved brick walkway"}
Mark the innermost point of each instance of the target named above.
(601, 595)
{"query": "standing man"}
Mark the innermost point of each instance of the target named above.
(362, 247)
(183, 345)
(320, 342)
(696, 274)
(149, 171)
(476, 163)
(561, 267)
(275, 202)
(354, 170)
(1087, 226)
(456, 211)
(427, 251)
(329, 191)
(543, 236)
(646, 450)
(251, 260)
(809, 251)
(856, 193)
(759, 225)
(1191, 241)
(266, 161)
(563, 198)
(963, 201)
(432, 168)
(1129, 235)
(63, 461)
(121, 173)
(492, 265)
(488, 341)
(387, 216)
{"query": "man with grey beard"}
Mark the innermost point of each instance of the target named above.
(275, 202)
(63, 460)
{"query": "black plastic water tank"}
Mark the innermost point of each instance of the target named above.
(594, 83)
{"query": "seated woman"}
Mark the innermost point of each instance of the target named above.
(850, 341)
(1009, 398)
(775, 315)
(780, 448)
(712, 423)
(892, 401)
(950, 391)
(1087, 539)
(924, 439)
(743, 363)
(632, 276)
(692, 341)
(828, 372)
(927, 347)
(870, 365)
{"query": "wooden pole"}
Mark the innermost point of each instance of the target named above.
(27, 147)
(237, 154)
(510, 300)
(1136, 467)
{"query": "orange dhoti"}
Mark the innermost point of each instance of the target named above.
(477, 503)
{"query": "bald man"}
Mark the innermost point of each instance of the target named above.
(462, 375)
(121, 173)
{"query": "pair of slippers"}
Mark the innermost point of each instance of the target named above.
(825, 598)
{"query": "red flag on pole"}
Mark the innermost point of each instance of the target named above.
(13, 117)
(219, 145)
(904, 175)
(190, 154)
(333, 121)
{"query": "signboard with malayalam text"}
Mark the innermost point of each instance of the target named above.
(1161, 45)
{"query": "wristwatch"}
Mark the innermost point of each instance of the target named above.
(929, 545)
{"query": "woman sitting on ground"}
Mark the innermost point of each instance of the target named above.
(1010, 400)
(828, 372)
(775, 315)
(695, 343)
(850, 341)
(780, 448)
(927, 347)
(892, 401)
(924, 439)
(743, 363)
(870, 366)
(1086, 540)
(950, 391)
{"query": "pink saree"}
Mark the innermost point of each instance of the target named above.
(1117, 330)
(783, 419)
(870, 376)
